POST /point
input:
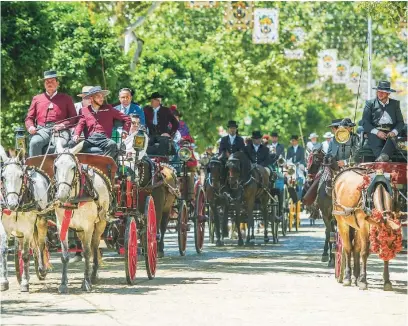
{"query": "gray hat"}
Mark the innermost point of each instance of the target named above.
(384, 86)
(50, 74)
(313, 135)
(96, 90)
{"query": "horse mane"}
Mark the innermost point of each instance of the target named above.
(245, 165)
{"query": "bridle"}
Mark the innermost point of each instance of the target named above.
(233, 164)
(23, 188)
(75, 179)
(211, 178)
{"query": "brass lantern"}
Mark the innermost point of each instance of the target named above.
(139, 141)
(342, 135)
(20, 139)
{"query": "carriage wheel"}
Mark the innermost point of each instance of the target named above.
(150, 240)
(297, 222)
(40, 275)
(182, 221)
(291, 214)
(340, 259)
(275, 212)
(130, 250)
(199, 220)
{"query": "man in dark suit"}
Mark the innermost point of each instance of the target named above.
(382, 121)
(232, 142)
(128, 107)
(257, 152)
(275, 147)
(296, 152)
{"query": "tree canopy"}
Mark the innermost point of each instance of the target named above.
(213, 74)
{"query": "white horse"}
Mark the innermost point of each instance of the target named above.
(89, 218)
(24, 195)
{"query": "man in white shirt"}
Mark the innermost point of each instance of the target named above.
(382, 121)
(312, 144)
(325, 145)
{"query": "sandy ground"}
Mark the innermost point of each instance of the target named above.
(281, 284)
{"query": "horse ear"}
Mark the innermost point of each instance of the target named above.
(58, 145)
(3, 154)
(77, 148)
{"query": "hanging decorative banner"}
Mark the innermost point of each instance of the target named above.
(266, 26)
(341, 74)
(201, 4)
(238, 14)
(294, 54)
(326, 64)
(403, 32)
(353, 78)
(298, 36)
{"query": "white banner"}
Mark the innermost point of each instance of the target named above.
(326, 64)
(201, 4)
(238, 14)
(341, 74)
(266, 26)
(294, 54)
(353, 78)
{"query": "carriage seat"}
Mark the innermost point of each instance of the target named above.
(93, 150)
(365, 154)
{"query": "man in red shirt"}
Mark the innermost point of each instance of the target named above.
(49, 111)
(99, 118)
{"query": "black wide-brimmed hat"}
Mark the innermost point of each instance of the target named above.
(294, 137)
(256, 134)
(156, 95)
(274, 134)
(232, 123)
(96, 90)
(50, 74)
(346, 122)
(335, 123)
(384, 86)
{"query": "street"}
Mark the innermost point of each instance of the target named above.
(281, 284)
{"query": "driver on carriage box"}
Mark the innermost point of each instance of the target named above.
(257, 152)
(383, 121)
(296, 152)
(98, 119)
(49, 111)
(344, 153)
(232, 142)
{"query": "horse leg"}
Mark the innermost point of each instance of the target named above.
(217, 225)
(386, 276)
(40, 237)
(163, 228)
(250, 219)
(86, 239)
(265, 221)
(4, 283)
(331, 254)
(25, 255)
(237, 225)
(363, 234)
(344, 230)
(356, 255)
(96, 238)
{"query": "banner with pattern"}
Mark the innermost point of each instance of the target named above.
(341, 74)
(238, 14)
(326, 64)
(266, 26)
(201, 4)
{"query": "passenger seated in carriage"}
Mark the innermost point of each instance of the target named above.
(382, 122)
(98, 119)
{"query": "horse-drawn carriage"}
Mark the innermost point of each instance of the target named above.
(368, 203)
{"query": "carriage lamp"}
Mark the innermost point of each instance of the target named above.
(139, 141)
(20, 137)
(184, 154)
(204, 160)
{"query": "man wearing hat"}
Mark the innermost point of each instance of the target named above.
(382, 121)
(232, 142)
(99, 118)
(159, 118)
(127, 107)
(343, 153)
(328, 136)
(275, 147)
(84, 102)
(257, 152)
(296, 152)
(49, 111)
(312, 144)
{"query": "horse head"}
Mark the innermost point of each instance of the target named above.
(66, 171)
(12, 179)
(215, 167)
(315, 160)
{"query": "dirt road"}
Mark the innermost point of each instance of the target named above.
(282, 284)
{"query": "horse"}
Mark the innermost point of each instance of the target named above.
(213, 192)
(351, 215)
(245, 184)
(25, 193)
(88, 218)
(319, 192)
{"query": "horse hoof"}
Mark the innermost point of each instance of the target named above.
(325, 258)
(330, 264)
(86, 286)
(4, 286)
(218, 243)
(387, 286)
(240, 242)
(94, 278)
(24, 287)
(249, 244)
(266, 240)
(160, 254)
(63, 289)
(75, 259)
(252, 237)
(347, 282)
(362, 285)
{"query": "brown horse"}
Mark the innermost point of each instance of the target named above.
(245, 184)
(350, 214)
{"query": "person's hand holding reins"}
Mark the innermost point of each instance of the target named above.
(381, 135)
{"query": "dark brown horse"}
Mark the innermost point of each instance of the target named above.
(246, 184)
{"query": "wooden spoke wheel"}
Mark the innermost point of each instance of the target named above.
(291, 214)
(130, 250)
(297, 216)
(182, 225)
(199, 220)
(149, 238)
(340, 259)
